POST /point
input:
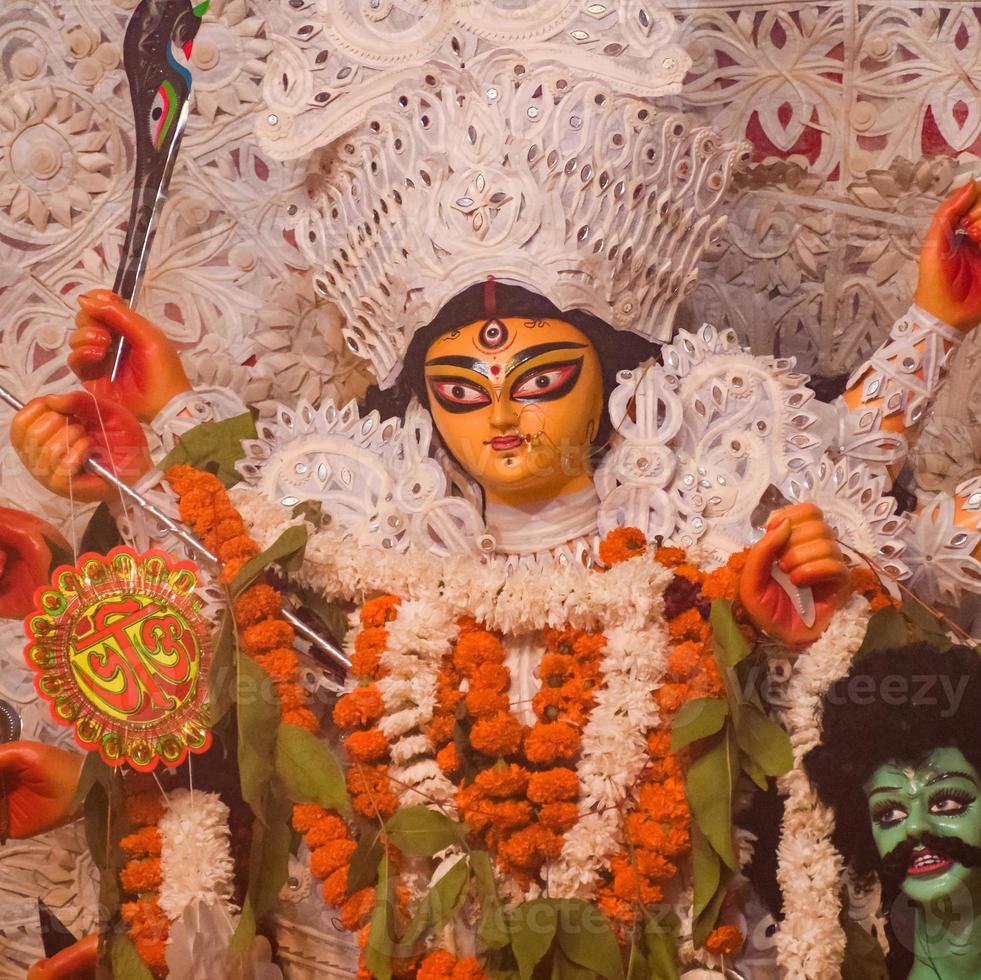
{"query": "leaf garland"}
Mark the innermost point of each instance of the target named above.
(214, 447)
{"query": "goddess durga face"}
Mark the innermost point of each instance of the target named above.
(518, 403)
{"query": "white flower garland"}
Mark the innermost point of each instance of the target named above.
(614, 745)
(418, 639)
(195, 860)
(810, 942)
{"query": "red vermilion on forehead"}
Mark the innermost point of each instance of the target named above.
(495, 369)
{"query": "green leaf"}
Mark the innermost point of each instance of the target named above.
(864, 959)
(886, 629)
(586, 939)
(493, 930)
(706, 871)
(309, 770)
(754, 772)
(661, 936)
(730, 644)
(214, 446)
(269, 860)
(378, 951)
(565, 969)
(223, 676)
(94, 772)
(698, 719)
(923, 626)
(707, 921)
(422, 832)
(363, 871)
(285, 550)
(101, 535)
(258, 722)
(245, 930)
(61, 554)
(710, 786)
(438, 905)
(764, 741)
(126, 962)
(532, 926)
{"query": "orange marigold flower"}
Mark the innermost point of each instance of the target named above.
(267, 635)
(621, 544)
(371, 640)
(477, 647)
(256, 603)
(362, 706)
(238, 548)
(480, 702)
(670, 557)
(652, 864)
(724, 940)
(548, 742)
(357, 909)
(589, 645)
(556, 667)
(659, 743)
(367, 779)
(307, 815)
(531, 847)
(670, 697)
(280, 664)
(141, 876)
(379, 611)
(335, 887)
(144, 843)
(437, 966)
(468, 969)
(374, 805)
(441, 728)
(144, 808)
(491, 677)
(324, 861)
(553, 786)
(505, 815)
(291, 696)
(447, 759)
(500, 782)
(231, 569)
(686, 625)
(496, 735)
(324, 829)
(302, 718)
(684, 660)
(722, 583)
(559, 816)
(366, 746)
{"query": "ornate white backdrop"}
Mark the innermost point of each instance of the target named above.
(861, 116)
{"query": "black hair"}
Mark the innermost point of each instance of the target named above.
(895, 706)
(618, 350)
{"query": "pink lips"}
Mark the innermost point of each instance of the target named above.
(502, 443)
(927, 863)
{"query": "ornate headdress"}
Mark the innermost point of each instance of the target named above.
(526, 165)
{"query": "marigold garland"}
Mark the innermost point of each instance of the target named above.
(147, 926)
(262, 632)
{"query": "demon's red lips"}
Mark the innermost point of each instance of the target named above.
(925, 862)
(502, 443)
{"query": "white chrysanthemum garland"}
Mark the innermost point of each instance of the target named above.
(614, 749)
(195, 859)
(810, 942)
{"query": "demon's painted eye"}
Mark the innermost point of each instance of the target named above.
(547, 383)
(457, 395)
(162, 113)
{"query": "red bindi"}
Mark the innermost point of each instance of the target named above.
(495, 369)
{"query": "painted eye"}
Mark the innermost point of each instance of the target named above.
(460, 393)
(951, 803)
(889, 815)
(546, 381)
(161, 114)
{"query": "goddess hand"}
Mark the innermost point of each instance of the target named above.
(25, 559)
(151, 372)
(78, 962)
(40, 782)
(800, 543)
(54, 435)
(949, 284)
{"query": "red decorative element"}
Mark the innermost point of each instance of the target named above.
(122, 654)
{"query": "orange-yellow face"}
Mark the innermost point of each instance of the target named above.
(518, 403)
